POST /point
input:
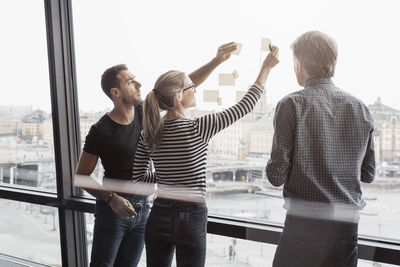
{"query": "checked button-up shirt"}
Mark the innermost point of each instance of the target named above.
(322, 147)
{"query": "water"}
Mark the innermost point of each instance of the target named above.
(380, 218)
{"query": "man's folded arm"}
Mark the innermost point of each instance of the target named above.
(368, 164)
(279, 166)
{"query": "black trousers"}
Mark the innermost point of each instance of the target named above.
(307, 242)
(174, 225)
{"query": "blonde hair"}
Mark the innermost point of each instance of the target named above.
(159, 99)
(317, 52)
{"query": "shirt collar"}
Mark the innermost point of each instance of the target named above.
(317, 81)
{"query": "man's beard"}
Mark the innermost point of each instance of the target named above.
(131, 102)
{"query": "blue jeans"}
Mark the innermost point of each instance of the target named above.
(307, 242)
(118, 241)
(179, 226)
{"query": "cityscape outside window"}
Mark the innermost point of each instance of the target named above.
(26, 131)
(30, 232)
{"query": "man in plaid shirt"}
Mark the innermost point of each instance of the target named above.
(322, 149)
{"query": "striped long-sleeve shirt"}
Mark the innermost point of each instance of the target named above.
(180, 161)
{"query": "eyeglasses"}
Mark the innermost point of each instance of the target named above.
(188, 88)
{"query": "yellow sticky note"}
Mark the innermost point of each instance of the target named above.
(211, 96)
(235, 74)
(266, 44)
(227, 79)
(238, 49)
(239, 95)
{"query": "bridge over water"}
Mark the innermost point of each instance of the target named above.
(237, 172)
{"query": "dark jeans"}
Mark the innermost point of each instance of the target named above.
(118, 241)
(176, 225)
(307, 242)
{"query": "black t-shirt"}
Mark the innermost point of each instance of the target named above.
(115, 144)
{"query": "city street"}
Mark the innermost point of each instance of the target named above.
(24, 233)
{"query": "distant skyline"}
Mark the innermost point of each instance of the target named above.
(152, 37)
(105, 109)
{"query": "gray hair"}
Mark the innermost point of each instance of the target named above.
(317, 52)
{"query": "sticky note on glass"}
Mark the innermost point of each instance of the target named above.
(266, 44)
(211, 96)
(238, 49)
(235, 74)
(239, 95)
(227, 79)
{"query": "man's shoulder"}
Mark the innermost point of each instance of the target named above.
(102, 126)
(292, 97)
(351, 99)
(94, 137)
(304, 94)
(102, 122)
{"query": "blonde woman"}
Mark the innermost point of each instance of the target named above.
(178, 148)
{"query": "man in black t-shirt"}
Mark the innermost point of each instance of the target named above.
(118, 228)
(120, 219)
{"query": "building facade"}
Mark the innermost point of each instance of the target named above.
(387, 131)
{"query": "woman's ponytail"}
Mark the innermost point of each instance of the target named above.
(159, 99)
(152, 122)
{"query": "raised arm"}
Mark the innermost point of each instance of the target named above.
(224, 52)
(211, 124)
(141, 171)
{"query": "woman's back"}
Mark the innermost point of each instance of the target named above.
(181, 159)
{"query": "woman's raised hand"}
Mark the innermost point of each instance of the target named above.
(270, 61)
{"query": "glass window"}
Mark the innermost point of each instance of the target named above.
(30, 232)
(26, 132)
(364, 263)
(228, 251)
(89, 218)
(177, 36)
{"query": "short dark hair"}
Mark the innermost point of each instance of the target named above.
(109, 78)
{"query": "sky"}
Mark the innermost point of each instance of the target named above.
(152, 37)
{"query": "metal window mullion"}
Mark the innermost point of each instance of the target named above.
(29, 196)
(65, 123)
